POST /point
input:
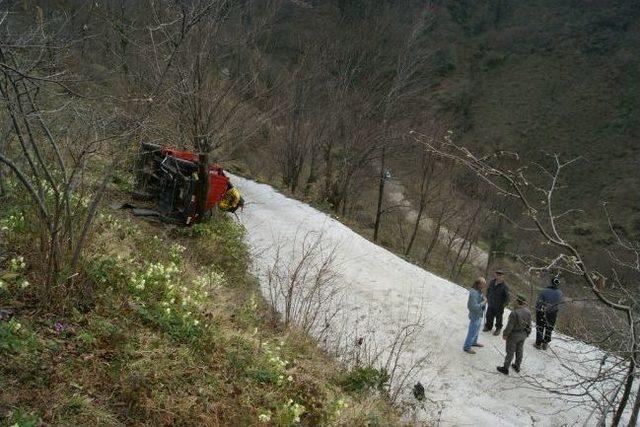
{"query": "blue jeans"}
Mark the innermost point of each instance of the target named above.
(472, 334)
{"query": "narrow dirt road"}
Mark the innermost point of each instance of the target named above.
(395, 194)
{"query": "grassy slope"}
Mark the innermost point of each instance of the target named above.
(193, 344)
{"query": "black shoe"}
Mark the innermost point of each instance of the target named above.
(516, 368)
(486, 329)
(496, 332)
(545, 345)
(538, 346)
(502, 370)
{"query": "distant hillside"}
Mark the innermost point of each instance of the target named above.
(554, 75)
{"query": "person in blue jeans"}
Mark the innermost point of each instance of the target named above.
(476, 305)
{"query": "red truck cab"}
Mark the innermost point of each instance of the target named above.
(182, 183)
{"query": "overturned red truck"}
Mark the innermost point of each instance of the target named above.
(183, 185)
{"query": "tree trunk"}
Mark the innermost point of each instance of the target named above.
(312, 178)
(343, 199)
(452, 240)
(496, 243)
(633, 421)
(401, 229)
(427, 174)
(466, 257)
(376, 226)
(328, 171)
(434, 239)
(416, 226)
(344, 194)
(465, 239)
(625, 395)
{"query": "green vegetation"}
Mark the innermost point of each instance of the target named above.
(175, 333)
(365, 379)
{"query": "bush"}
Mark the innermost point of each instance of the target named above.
(22, 418)
(14, 338)
(493, 60)
(271, 367)
(366, 378)
(445, 61)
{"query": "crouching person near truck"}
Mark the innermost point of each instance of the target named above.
(517, 330)
(476, 305)
(232, 200)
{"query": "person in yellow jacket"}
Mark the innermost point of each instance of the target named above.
(231, 201)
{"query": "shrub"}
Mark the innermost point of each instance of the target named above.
(22, 418)
(289, 413)
(365, 378)
(493, 60)
(13, 278)
(14, 223)
(201, 229)
(14, 338)
(333, 410)
(272, 368)
(444, 61)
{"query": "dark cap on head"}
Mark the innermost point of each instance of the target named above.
(521, 299)
(499, 271)
(555, 281)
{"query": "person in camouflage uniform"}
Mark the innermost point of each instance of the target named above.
(517, 330)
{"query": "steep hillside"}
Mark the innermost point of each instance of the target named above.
(172, 330)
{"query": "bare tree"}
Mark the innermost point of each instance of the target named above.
(304, 287)
(349, 146)
(444, 211)
(431, 178)
(298, 131)
(213, 97)
(409, 80)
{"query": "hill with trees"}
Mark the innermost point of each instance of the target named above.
(358, 107)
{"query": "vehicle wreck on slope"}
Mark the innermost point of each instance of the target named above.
(183, 186)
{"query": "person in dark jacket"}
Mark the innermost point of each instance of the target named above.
(497, 300)
(476, 305)
(517, 330)
(549, 301)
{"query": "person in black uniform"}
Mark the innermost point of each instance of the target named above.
(497, 300)
(547, 305)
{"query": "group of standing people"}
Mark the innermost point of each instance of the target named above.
(489, 302)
